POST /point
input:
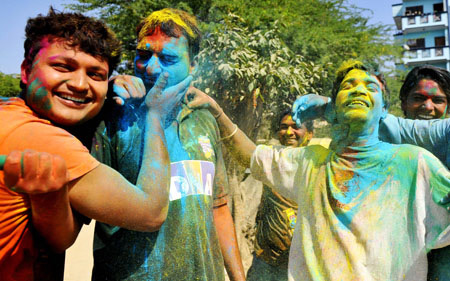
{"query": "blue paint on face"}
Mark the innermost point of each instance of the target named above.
(158, 53)
(359, 108)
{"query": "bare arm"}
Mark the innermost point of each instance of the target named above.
(228, 242)
(103, 194)
(240, 146)
(44, 177)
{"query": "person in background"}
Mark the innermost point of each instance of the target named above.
(276, 216)
(425, 93)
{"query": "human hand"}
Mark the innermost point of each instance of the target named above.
(309, 107)
(196, 99)
(126, 88)
(163, 100)
(34, 172)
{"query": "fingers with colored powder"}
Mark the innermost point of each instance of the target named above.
(309, 107)
(34, 172)
(127, 88)
(164, 99)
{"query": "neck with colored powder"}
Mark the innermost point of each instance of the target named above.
(345, 136)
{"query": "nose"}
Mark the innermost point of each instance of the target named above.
(428, 105)
(289, 131)
(361, 89)
(78, 81)
(153, 66)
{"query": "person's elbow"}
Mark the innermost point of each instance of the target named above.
(156, 220)
(62, 246)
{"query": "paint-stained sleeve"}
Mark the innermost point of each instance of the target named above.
(280, 168)
(432, 135)
(434, 179)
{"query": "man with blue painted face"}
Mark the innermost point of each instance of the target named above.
(198, 236)
(367, 210)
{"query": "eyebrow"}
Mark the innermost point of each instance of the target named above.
(75, 62)
(369, 79)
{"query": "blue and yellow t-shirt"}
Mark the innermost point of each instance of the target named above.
(186, 247)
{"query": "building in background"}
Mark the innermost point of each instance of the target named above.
(423, 29)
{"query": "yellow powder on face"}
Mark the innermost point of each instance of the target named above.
(162, 16)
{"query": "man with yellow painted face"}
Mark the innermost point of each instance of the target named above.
(367, 209)
(424, 95)
(198, 237)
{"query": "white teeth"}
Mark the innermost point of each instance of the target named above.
(425, 117)
(357, 102)
(68, 97)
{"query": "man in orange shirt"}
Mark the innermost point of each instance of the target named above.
(64, 77)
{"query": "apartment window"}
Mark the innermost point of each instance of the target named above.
(439, 41)
(436, 17)
(438, 8)
(424, 19)
(418, 43)
(414, 11)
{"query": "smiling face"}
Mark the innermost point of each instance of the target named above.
(426, 101)
(290, 135)
(158, 53)
(65, 85)
(359, 100)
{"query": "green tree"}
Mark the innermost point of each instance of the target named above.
(253, 74)
(325, 32)
(9, 85)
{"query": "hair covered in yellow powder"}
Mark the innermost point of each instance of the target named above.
(174, 23)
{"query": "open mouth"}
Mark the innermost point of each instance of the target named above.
(425, 117)
(358, 102)
(70, 98)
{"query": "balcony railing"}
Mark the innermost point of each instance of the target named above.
(436, 20)
(427, 54)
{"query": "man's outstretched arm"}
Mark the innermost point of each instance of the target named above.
(105, 195)
(237, 142)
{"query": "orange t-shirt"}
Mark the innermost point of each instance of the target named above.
(22, 129)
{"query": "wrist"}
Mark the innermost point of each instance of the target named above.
(215, 110)
(43, 202)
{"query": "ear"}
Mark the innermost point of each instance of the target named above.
(330, 113)
(193, 67)
(384, 112)
(24, 71)
(309, 135)
(403, 107)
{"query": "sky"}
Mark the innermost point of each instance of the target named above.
(14, 14)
